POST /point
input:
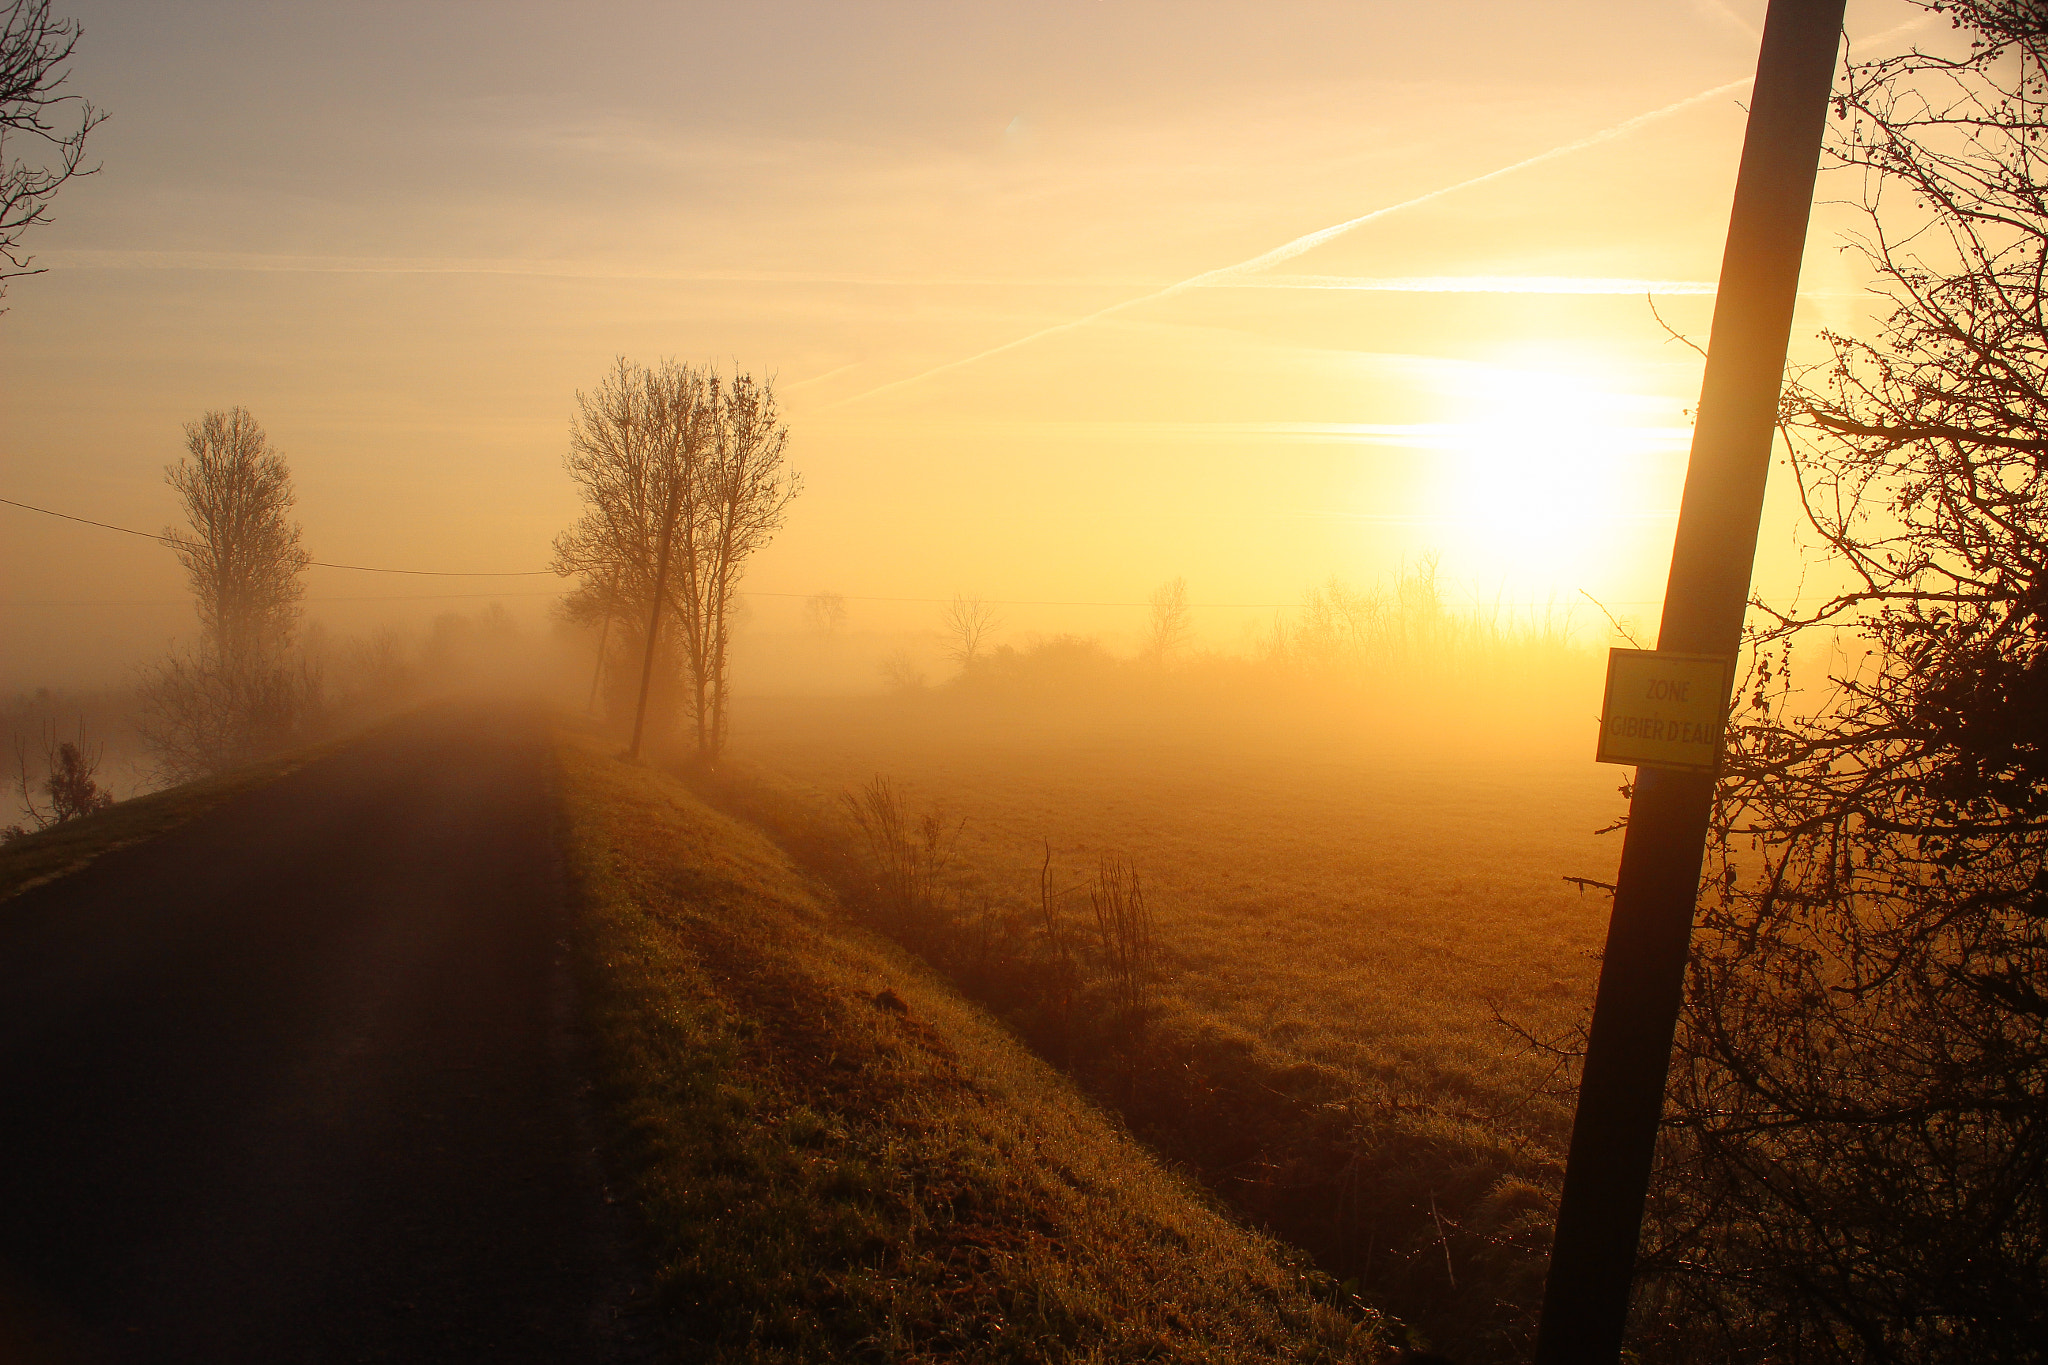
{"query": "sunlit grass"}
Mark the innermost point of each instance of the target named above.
(829, 1172)
(1346, 897)
(1348, 890)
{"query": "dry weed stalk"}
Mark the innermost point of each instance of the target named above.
(908, 855)
(1123, 923)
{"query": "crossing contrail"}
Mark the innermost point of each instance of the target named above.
(1310, 241)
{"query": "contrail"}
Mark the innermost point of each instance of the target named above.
(1316, 239)
(816, 378)
(1312, 240)
(1470, 284)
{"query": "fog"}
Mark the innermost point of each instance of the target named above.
(1120, 510)
(1475, 375)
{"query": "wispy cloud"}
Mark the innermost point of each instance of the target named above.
(1720, 12)
(274, 263)
(1468, 284)
(1612, 516)
(1394, 435)
(1310, 241)
(278, 263)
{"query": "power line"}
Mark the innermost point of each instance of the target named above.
(933, 601)
(378, 597)
(1030, 602)
(532, 573)
(174, 542)
(539, 573)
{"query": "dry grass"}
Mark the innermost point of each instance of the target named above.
(841, 1159)
(1350, 897)
(1342, 903)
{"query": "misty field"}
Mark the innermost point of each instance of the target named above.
(842, 1159)
(1347, 903)
(1358, 895)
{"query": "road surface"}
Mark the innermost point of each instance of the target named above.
(299, 1081)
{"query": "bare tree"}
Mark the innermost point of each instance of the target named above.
(637, 442)
(34, 47)
(733, 511)
(200, 717)
(825, 612)
(1170, 625)
(1858, 1161)
(901, 673)
(241, 555)
(675, 454)
(241, 694)
(966, 623)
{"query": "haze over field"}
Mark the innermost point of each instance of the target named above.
(404, 239)
(1019, 595)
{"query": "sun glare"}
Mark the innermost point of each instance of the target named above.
(1550, 475)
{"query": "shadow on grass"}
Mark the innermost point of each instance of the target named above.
(1416, 1205)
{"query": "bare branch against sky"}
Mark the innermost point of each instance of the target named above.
(42, 126)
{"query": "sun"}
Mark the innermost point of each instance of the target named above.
(1553, 475)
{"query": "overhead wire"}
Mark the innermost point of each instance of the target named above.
(163, 538)
(535, 573)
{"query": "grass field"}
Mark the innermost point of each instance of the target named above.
(1344, 900)
(842, 1159)
(1356, 898)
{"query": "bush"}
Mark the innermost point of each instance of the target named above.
(68, 784)
(201, 716)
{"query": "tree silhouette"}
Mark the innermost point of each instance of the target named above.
(68, 789)
(241, 694)
(1860, 1131)
(241, 554)
(1170, 624)
(34, 48)
(681, 453)
(965, 624)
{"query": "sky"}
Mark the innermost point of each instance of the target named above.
(404, 236)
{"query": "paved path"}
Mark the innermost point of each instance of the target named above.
(298, 1081)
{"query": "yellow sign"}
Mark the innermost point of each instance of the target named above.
(1664, 710)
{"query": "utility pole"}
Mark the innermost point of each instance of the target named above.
(668, 523)
(1642, 974)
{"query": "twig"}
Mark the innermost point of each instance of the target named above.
(1671, 331)
(1619, 628)
(1441, 1240)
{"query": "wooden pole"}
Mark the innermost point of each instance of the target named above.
(1642, 974)
(668, 519)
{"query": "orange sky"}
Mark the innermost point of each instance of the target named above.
(403, 236)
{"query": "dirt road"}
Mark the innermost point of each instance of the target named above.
(299, 1080)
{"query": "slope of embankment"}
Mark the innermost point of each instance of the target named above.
(840, 1158)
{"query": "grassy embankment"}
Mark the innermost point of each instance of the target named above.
(1342, 902)
(60, 850)
(840, 1158)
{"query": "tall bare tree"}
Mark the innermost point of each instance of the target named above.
(240, 551)
(636, 441)
(243, 692)
(34, 47)
(748, 492)
(677, 452)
